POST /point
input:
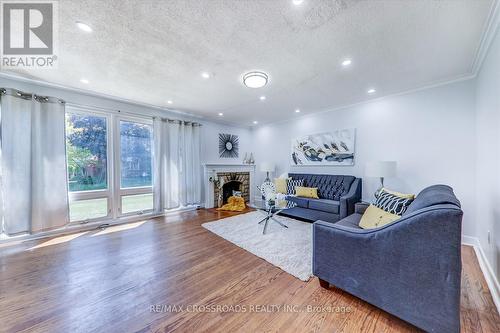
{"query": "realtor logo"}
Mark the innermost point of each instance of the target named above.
(28, 34)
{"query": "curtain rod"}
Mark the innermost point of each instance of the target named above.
(49, 99)
(100, 108)
(29, 96)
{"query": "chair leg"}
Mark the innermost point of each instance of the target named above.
(324, 284)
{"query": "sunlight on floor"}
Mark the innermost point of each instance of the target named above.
(58, 240)
(119, 228)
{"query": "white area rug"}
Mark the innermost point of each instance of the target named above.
(287, 248)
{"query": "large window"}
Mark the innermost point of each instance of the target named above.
(109, 159)
(136, 178)
(87, 161)
(135, 154)
(86, 145)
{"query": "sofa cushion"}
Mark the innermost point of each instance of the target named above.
(375, 217)
(306, 192)
(433, 195)
(391, 203)
(301, 202)
(291, 184)
(324, 205)
(280, 184)
(310, 214)
(329, 186)
(351, 221)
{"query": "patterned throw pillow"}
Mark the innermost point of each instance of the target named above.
(291, 184)
(392, 203)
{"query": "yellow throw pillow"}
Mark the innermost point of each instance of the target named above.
(280, 184)
(398, 194)
(375, 217)
(307, 192)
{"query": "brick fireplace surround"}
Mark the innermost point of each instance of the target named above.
(226, 177)
(216, 175)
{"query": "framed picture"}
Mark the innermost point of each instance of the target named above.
(330, 148)
(228, 145)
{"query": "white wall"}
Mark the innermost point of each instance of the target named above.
(430, 133)
(210, 142)
(488, 155)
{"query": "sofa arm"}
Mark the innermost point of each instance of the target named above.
(410, 268)
(360, 207)
(347, 201)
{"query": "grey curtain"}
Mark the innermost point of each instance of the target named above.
(177, 164)
(33, 163)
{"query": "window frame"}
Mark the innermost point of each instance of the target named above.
(94, 194)
(126, 191)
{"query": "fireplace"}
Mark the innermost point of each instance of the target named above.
(229, 188)
(222, 179)
(229, 182)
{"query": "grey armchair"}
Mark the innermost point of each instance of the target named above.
(410, 268)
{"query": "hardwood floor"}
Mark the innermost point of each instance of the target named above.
(124, 280)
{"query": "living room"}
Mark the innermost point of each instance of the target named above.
(250, 166)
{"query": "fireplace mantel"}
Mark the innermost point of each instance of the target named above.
(211, 170)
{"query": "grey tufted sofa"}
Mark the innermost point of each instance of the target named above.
(337, 196)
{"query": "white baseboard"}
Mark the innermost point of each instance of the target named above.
(488, 273)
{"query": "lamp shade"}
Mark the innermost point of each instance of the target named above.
(381, 169)
(266, 167)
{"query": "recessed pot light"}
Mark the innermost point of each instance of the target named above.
(297, 2)
(85, 81)
(255, 79)
(262, 98)
(169, 102)
(221, 114)
(346, 62)
(205, 75)
(297, 110)
(83, 26)
(255, 122)
(371, 91)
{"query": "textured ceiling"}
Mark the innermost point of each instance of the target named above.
(154, 51)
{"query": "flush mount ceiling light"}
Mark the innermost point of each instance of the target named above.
(262, 98)
(221, 114)
(346, 62)
(85, 81)
(169, 102)
(297, 110)
(371, 91)
(205, 75)
(255, 122)
(83, 26)
(297, 2)
(255, 79)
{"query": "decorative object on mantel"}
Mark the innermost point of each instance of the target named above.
(267, 168)
(228, 145)
(380, 169)
(245, 159)
(251, 160)
(332, 148)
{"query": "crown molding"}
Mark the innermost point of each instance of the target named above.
(490, 30)
(431, 85)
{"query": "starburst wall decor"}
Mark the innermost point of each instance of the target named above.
(228, 145)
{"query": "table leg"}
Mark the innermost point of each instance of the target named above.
(281, 224)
